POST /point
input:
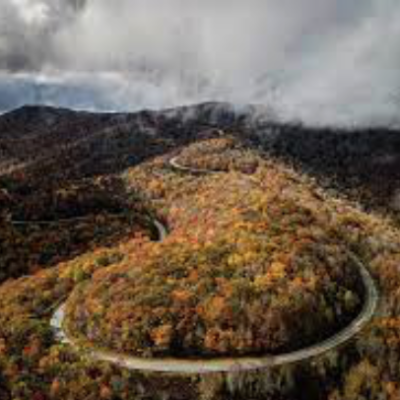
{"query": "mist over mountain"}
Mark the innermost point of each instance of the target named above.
(324, 62)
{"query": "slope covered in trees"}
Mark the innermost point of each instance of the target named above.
(231, 280)
(219, 154)
(41, 228)
(307, 230)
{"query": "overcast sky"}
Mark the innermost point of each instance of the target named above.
(322, 61)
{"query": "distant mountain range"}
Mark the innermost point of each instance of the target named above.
(63, 144)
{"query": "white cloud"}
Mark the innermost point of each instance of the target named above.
(325, 61)
(32, 12)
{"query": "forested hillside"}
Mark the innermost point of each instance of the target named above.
(269, 240)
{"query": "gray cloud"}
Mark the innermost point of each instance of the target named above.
(324, 61)
(28, 29)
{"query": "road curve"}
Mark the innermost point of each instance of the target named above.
(162, 230)
(174, 163)
(58, 317)
(198, 366)
(205, 366)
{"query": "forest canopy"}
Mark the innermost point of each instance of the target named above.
(231, 280)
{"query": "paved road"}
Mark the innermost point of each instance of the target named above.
(162, 230)
(174, 163)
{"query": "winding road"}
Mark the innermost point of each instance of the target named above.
(174, 163)
(198, 366)
(204, 366)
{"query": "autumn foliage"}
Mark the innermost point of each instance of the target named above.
(254, 263)
(232, 278)
(219, 154)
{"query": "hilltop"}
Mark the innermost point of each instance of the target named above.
(250, 253)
